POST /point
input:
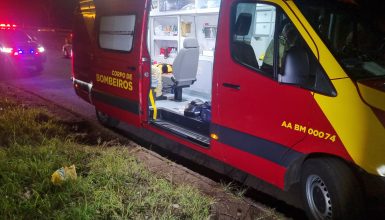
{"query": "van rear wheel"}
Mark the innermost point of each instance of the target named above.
(106, 120)
(330, 190)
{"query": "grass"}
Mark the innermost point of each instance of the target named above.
(240, 191)
(234, 189)
(111, 183)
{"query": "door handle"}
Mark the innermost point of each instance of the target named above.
(232, 86)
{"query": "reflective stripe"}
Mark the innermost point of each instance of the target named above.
(268, 150)
(116, 101)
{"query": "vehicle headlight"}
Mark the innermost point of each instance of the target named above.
(381, 170)
(6, 49)
(41, 49)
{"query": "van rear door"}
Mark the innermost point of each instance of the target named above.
(121, 71)
(83, 38)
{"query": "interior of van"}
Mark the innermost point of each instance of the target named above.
(181, 41)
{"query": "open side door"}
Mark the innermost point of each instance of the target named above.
(120, 60)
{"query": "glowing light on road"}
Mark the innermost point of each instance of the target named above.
(6, 49)
(41, 49)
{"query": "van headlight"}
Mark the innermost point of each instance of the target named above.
(381, 170)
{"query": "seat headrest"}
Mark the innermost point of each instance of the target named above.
(190, 43)
(243, 24)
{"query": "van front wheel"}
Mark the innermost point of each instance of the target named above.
(106, 120)
(330, 190)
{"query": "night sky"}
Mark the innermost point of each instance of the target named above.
(37, 13)
(58, 13)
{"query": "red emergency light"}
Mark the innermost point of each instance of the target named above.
(7, 26)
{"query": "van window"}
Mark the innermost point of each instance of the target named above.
(265, 40)
(117, 32)
(253, 30)
(261, 36)
(354, 32)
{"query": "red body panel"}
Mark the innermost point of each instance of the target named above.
(256, 166)
(126, 66)
(321, 142)
(264, 108)
(259, 108)
(261, 104)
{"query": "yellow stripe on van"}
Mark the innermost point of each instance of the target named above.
(356, 125)
(313, 41)
(372, 96)
(153, 105)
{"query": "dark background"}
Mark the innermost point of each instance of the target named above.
(58, 13)
(38, 13)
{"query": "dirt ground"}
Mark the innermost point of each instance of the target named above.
(227, 206)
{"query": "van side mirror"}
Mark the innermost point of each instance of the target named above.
(296, 67)
(301, 68)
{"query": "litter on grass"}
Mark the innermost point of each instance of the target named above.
(63, 174)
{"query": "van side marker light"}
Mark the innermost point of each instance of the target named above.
(214, 136)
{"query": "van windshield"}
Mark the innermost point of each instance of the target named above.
(354, 31)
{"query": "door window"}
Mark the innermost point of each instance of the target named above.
(252, 33)
(117, 32)
(265, 40)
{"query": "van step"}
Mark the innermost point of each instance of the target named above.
(183, 132)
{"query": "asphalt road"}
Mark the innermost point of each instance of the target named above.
(53, 83)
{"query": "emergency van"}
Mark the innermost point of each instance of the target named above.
(287, 92)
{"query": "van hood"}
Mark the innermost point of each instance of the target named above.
(373, 92)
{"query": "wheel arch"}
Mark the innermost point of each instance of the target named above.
(293, 173)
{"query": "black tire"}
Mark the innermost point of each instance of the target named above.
(106, 120)
(330, 190)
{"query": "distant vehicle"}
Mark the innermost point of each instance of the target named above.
(18, 49)
(67, 47)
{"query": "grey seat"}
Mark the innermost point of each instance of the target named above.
(242, 51)
(185, 67)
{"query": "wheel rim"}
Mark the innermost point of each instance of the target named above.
(318, 198)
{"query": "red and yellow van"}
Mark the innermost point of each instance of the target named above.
(279, 91)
